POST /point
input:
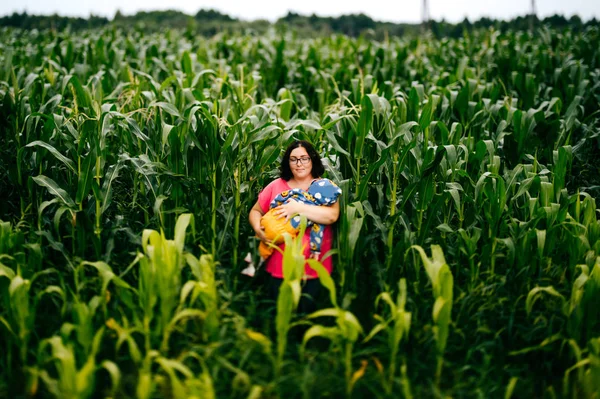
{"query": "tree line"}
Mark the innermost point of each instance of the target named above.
(209, 22)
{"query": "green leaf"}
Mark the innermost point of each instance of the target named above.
(180, 228)
(111, 175)
(413, 105)
(84, 181)
(445, 228)
(325, 279)
(66, 161)
(167, 107)
(55, 190)
(330, 333)
(427, 113)
(376, 330)
(335, 144)
(365, 121)
(7, 272)
(510, 387)
(186, 63)
(115, 374)
(534, 294)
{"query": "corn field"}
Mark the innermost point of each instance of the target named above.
(467, 255)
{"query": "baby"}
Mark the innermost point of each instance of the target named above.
(320, 192)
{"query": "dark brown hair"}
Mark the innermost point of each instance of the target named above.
(317, 166)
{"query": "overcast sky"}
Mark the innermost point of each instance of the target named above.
(381, 10)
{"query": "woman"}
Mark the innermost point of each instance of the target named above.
(300, 165)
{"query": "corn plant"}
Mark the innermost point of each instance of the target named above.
(397, 327)
(587, 373)
(581, 314)
(442, 283)
(20, 321)
(192, 385)
(289, 290)
(350, 227)
(73, 380)
(346, 331)
(160, 284)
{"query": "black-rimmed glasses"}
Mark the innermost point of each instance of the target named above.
(302, 160)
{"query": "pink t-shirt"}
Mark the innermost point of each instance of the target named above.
(275, 261)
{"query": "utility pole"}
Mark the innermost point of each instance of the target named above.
(425, 15)
(532, 16)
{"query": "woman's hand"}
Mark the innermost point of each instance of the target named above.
(289, 210)
(261, 235)
(256, 214)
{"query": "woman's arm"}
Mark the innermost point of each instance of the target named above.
(318, 214)
(254, 217)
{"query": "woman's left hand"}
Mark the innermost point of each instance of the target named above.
(289, 210)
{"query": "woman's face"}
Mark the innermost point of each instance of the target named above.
(300, 163)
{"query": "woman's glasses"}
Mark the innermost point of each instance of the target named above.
(302, 160)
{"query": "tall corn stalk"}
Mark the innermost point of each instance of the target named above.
(442, 283)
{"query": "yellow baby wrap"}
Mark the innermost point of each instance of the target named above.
(274, 228)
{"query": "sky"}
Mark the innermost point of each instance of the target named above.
(381, 10)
